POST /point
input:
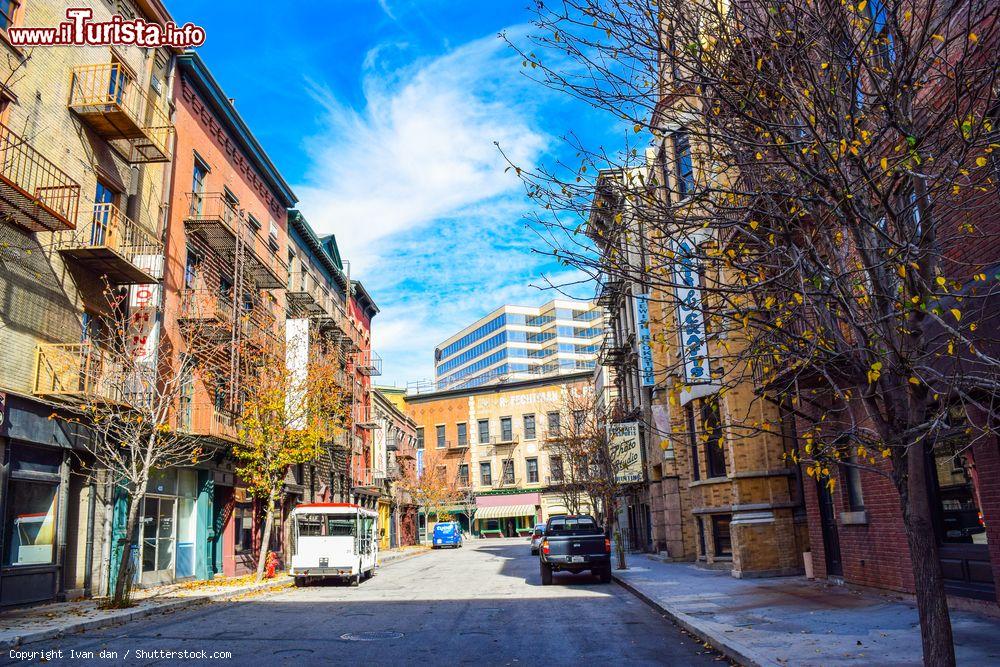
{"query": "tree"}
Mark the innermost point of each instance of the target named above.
(130, 386)
(433, 490)
(292, 402)
(821, 177)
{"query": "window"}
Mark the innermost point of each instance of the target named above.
(572, 526)
(440, 436)
(463, 434)
(508, 471)
(484, 431)
(553, 418)
(692, 441)
(579, 420)
(243, 524)
(30, 529)
(8, 11)
(420, 438)
(506, 430)
(685, 167)
(191, 266)
(104, 216)
(529, 427)
(720, 535)
(855, 499)
(463, 474)
(715, 453)
(556, 468)
(701, 537)
(485, 473)
(532, 468)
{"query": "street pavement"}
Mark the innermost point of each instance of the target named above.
(483, 604)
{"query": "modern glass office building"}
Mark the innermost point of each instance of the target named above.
(520, 343)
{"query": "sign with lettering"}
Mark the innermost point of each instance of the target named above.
(625, 452)
(647, 378)
(690, 318)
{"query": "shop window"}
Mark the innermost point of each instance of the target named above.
(720, 535)
(31, 522)
(243, 525)
(960, 512)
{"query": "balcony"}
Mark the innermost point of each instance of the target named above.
(612, 353)
(34, 193)
(305, 292)
(76, 372)
(258, 322)
(223, 229)
(364, 419)
(109, 101)
(111, 244)
(504, 440)
(459, 445)
(204, 419)
(393, 471)
(368, 363)
(210, 312)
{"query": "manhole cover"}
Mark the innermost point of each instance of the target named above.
(376, 636)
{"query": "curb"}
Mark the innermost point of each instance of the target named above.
(399, 559)
(732, 650)
(126, 615)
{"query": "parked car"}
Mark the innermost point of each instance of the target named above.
(447, 534)
(574, 544)
(536, 538)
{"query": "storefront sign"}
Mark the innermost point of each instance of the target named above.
(646, 375)
(625, 452)
(690, 318)
(144, 325)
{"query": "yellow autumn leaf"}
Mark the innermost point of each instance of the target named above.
(914, 380)
(957, 314)
(940, 280)
(973, 37)
(884, 162)
(980, 161)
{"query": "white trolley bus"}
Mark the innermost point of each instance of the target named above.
(333, 540)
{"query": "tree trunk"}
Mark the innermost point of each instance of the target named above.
(123, 582)
(932, 602)
(265, 539)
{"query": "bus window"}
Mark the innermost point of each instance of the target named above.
(340, 526)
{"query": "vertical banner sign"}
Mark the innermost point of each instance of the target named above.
(646, 376)
(144, 325)
(625, 452)
(297, 363)
(691, 320)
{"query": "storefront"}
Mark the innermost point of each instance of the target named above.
(506, 515)
(35, 486)
(174, 537)
(385, 527)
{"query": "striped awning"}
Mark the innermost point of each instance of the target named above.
(504, 511)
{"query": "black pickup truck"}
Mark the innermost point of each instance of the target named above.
(574, 544)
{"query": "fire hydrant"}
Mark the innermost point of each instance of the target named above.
(271, 564)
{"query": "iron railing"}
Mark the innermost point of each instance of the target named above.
(205, 418)
(75, 371)
(36, 194)
(109, 229)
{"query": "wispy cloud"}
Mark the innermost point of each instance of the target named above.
(417, 193)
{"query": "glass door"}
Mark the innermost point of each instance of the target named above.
(158, 538)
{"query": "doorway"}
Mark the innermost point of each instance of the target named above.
(158, 540)
(831, 539)
(511, 527)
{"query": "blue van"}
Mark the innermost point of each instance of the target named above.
(447, 533)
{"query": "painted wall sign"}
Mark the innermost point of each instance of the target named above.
(625, 451)
(647, 378)
(691, 320)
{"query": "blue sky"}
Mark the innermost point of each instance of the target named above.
(382, 115)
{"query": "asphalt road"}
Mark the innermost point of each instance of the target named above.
(480, 605)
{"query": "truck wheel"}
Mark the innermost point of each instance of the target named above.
(605, 574)
(355, 580)
(546, 573)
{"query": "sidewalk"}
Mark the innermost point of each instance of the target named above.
(793, 621)
(41, 622)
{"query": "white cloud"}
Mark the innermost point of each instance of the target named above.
(416, 192)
